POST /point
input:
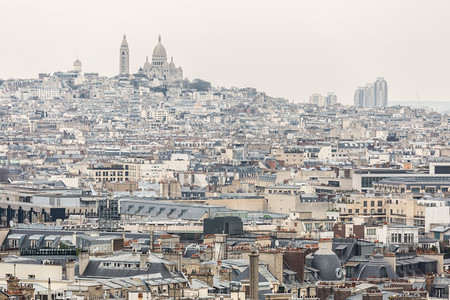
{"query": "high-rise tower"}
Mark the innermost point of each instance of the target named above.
(381, 92)
(124, 62)
(372, 95)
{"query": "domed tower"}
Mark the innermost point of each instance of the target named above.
(124, 62)
(147, 66)
(77, 66)
(376, 267)
(328, 264)
(159, 55)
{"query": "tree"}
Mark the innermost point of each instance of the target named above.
(200, 85)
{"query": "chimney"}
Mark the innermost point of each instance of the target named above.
(373, 296)
(83, 261)
(152, 241)
(342, 293)
(428, 281)
(70, 270)
(254, 275)
(74, 239)
(143, 260)
(49, 295)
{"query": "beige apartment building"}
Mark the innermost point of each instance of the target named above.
(289, 156)
(116, 172)
(390, 210)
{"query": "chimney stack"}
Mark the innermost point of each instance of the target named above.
(143, 260)
(70, 270)
(83, 261)
(254, 275)
(428, 281)
(49, 295)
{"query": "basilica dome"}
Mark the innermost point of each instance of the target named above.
(159, 50)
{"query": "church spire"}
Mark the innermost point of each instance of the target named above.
(124, 40)
(159, 38)
(124, 59)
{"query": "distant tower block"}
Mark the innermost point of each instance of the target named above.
(124, 57)
(77, 66)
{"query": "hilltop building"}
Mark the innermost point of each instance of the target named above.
(159, 68)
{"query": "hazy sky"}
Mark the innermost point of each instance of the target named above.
(286, 48)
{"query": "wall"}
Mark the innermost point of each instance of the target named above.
(42, 272)
(251, 204)
(436, 215)
(281, 203)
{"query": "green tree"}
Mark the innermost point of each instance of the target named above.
(200, 85)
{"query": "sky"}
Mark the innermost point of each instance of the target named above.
(288, 49)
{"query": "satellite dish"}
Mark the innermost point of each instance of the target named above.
(11, 223)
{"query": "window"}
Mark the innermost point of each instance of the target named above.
(365, 203)
(372, 203)
(408, 238)
(396, 237)
(371, 231)
(31, 277)
(380, 203)
(383, 272)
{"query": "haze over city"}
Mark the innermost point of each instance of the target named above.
(288, 49)
(224, 150)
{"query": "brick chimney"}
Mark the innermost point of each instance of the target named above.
(254, 275)
(428, 281)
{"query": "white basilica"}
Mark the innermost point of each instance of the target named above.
(158, 71)
(159, 68)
